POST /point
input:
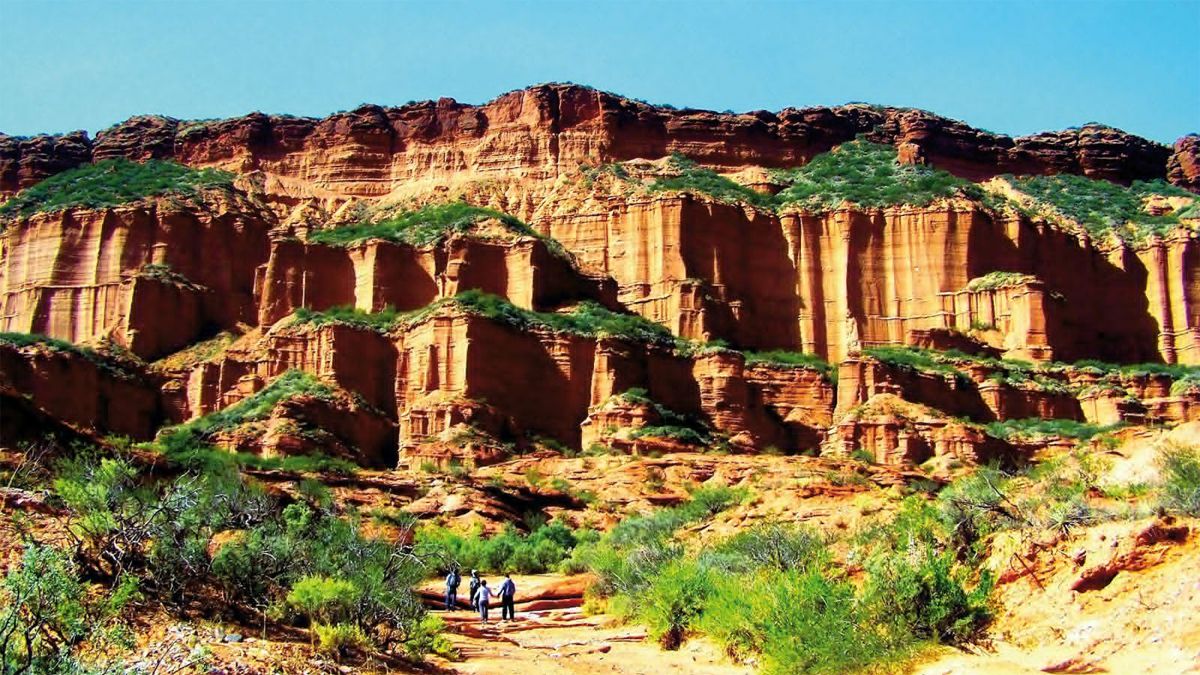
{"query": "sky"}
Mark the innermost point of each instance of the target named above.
(1012, 67)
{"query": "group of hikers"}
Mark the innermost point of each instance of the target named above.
(481, 594)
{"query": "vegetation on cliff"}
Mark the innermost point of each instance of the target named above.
(1103, 208)
(859, 172)
(691, 177)
(116, 362)
(113, 182)
(782, 357)
(190, 444)
(868, 175)
(423, 227)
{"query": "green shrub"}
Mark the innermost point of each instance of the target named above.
(693, 178)
(1035, 427)
(919, 360)
(674, 601)
(1101, 207)
(685, 435)
(47, 612)
(587, 319)
(975, 506)
(788, 358)
(542, 550)
(423, 227)
(870, 175)
(340, 638)
(326, 565)
(999, 279)
(779, 547)
(382, 321)
(323, 599)
(919, 592)
(121, 367)
(1180, 469)
(113, 182)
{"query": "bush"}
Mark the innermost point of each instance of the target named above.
(327, 566)
(693, 178)
(1101, 207)
(779, 547)
(542, 550)
(47, 613)
(870, 175)
(674, 601)
(424, 227)
(921, 593)
(382, 321)
(113, 182)
(340, 638)
(788, 358)
(1180, 469)
(587, 319)
(124, 368)
(323, 599)
(1035, 427)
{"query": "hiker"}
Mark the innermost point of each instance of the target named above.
(481, 599)
(474, 588)
(507, 590)
(452, 582)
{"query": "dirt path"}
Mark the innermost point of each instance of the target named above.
(551, 635)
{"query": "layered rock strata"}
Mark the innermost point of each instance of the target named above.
(547, 130)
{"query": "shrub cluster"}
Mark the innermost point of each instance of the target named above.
(693, 178)
(118, 365)
(789, 358)
(588, 319)
(868, 174)
(542, 550)
(189, 444)
(1104, 208)
(113, 182)
(423, 227)
(1036, 427)
(301, 563)
(858, 172)
(383, 320)
(773, 594)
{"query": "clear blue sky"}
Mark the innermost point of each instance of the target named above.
(1012, 67)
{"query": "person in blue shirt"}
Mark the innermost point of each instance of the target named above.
(507, 590)
(452, 581)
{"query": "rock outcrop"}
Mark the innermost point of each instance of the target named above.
(543, 131)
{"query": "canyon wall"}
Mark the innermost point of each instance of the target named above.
(838, 282)
(155, 275)
(547, 130)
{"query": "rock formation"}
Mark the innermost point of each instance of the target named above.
(624, 317)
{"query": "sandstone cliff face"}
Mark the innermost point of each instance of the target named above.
(544, 131)
(84, 274)
(160, 274)
(1183, 167)
(83, 393)
(832, 283)
(379, 274)
(454, 370)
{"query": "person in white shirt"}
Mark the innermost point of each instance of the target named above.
(481, 599)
